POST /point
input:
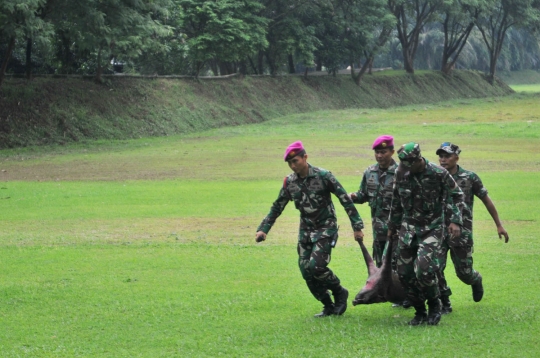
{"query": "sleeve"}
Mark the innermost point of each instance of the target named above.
(456, 199)
(361, 194)
(340, 192)
(396, 210)
(478, 188)
(275, 211)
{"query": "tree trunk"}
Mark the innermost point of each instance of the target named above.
(271, 64)
(223, 70)
(214, 67)
(447, 67)
(408, 62)
(358, 77)
(260, 63)
(29, 58)
(99, 71)
(305, 72)
(11, 45)
(243, 67)
(493, 57)
(253, 66)
(292, 68)
(319, 66)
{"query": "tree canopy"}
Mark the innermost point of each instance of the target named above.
(221, 37)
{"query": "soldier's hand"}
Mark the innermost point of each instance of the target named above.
(454, 230)
(260, 236)
(502, 232)
(352, 196)
(358, 235)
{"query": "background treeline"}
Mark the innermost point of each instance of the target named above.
(221, 37)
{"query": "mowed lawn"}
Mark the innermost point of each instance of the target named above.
(146, 248)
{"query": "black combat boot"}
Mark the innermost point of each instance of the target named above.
(420, 315)
(328, 309)
(341, 297)
(477, 290)
(434, 312)
(446, 305)
(406, 303)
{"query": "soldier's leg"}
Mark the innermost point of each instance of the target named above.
(426, 267)
(461, 253)
(378, 251)
(463, 263)
(304, 256)
(405, 269)
(443, 285)
(407, 254)
(320, 258)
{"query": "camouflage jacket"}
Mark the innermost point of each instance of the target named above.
(420, 199)
(376, 190)
(472, 186)
(311, 196)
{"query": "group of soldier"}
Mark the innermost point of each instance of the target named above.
(426, 208)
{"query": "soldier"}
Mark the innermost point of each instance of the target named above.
(376, 190)
(461, 248)
(420, 192)
(310, 187)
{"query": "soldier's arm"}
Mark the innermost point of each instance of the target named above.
(481, 192)
(495, 215)
(275, 211)
(337, 189)
(456, 198)
(361, 196)
(396, 211)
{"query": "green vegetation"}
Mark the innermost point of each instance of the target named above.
(146, 248)
(59, 111)
(261, 37)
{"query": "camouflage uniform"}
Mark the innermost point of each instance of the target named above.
(461, 248)
(318, 224)
(376, 189)
(417, 209)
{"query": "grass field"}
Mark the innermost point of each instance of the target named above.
(146, 248)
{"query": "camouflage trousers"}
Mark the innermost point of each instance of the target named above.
(378, 251)
(463, 264)
(313, 260)
(418, 263)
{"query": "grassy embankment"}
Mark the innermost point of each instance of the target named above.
(145, 247)
(62, 110)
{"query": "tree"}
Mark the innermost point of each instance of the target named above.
(291, 34)
(19, 20)
(224, 31)
(493, 24)
(107, 29)
(411, 16)
(459, 17)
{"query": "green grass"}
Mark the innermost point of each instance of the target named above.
(145, 248)
(534, 88)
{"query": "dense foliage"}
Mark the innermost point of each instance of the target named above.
(221, 37)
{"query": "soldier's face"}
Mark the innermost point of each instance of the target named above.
(417, 166)
(448, 161)
(299, 165)
(384, 157)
